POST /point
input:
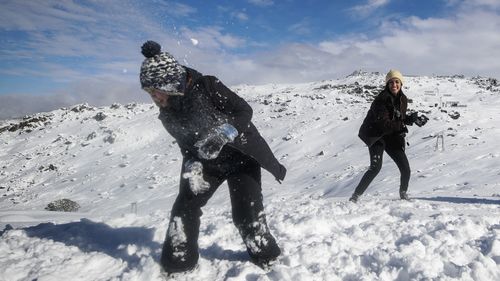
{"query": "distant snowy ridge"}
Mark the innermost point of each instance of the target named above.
(122, 168)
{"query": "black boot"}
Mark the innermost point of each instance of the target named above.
(403, 195)
(178, 259)
(180, 250)
(262, 249)
(354, 198)
(261, 245)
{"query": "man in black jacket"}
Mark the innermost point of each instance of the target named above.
(212, 126)
(384, 129)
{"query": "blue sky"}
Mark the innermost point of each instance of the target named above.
(58, 53)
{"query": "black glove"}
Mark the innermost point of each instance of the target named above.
(410, 119)
(210, 147)
(421, 120)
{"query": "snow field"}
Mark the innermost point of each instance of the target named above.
(124, 170)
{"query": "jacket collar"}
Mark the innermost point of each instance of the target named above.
(387, 95)
(194, 75)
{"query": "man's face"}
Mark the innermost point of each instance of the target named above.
(394, 85)
(159, 97)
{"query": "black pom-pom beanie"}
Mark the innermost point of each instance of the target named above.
(160, 70)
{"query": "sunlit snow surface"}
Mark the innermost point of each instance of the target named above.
(122, 168)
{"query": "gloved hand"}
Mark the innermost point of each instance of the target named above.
(210, 147)
(194, 173)
(415, 119)
(421, 120)
(410, 119)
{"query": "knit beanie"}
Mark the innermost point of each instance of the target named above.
(394, 74)
(161, 71)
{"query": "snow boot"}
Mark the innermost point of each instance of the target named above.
(176, 275)
(263, 250)
(354, 198)
(260, 243)
(403, 195)
(178, 259)
(180, 249)
(265, 264)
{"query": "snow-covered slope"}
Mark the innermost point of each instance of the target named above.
(122, 168)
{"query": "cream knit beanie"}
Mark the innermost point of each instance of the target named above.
(394, 74)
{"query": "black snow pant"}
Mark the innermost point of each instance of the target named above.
(394, 146)
(243, 175)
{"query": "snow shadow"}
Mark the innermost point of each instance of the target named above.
(91, 236)
(461, 200)
(217, 252)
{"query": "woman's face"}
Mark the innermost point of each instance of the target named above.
(394, 86)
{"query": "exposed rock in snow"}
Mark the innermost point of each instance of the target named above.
(63, 205)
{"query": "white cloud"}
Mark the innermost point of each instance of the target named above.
(69, 41)
(301, 28)
(262, 3)
(178, 9)
(466, 5)
(43, 15)
(466, 43)
(109, 42)
(241, 16)
(369, 7)
(213, 38)
(94, 91)
(488, 3)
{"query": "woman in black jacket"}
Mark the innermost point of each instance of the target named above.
(384, 129)
(212, 126)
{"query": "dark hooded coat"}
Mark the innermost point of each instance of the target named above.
(207, 104)
(385, 119)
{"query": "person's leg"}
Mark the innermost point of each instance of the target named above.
(180, 250)
(398, 154)
(376, 153)
(248, 213)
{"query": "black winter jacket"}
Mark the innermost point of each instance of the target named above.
(207, 104)
(386, 118)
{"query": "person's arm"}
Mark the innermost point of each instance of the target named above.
(238, 111)
(384, 120)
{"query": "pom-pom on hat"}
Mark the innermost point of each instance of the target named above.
(160, 70)
(394, 74)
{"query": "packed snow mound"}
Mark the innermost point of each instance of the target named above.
(122, 169)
